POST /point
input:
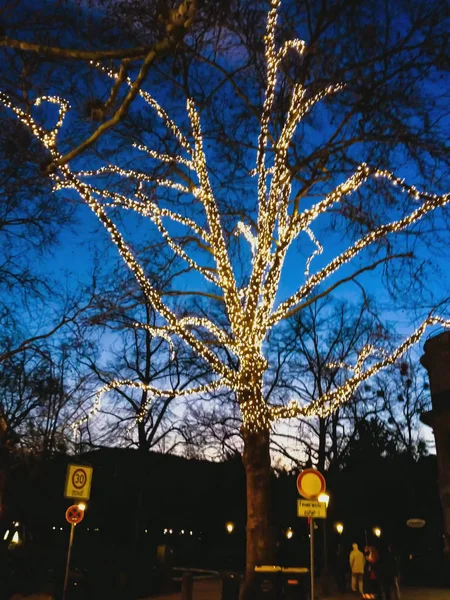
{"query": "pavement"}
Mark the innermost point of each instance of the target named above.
(208, 589)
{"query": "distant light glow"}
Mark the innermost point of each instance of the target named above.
(229, 527)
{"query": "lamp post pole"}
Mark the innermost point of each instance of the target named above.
(311, 551)
(326, 576)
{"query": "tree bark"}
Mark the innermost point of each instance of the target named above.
(4, 466)
(259, 542)
(322, 444)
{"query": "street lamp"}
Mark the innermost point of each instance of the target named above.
(289, 533)
(339, 528)
(325, 498)
(15, 538)
(377, 532)
(229, 527)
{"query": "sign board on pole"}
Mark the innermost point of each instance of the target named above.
(78, 482)
(74, 514)
(311, 508)
(311, 483)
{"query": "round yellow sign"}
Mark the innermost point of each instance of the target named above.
(310, 483)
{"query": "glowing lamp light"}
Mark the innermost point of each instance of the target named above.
(325, 498)
(82, 506)
(5, 537)
(229, 527)
(377, 532)
(340, 528)
(15, 538)
(289, 533)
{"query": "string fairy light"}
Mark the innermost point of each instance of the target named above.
(250, 310)
(317, 251)
(246, 231)
(328, 403)
(151, 390)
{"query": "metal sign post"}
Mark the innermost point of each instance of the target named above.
(311, 484)
(74, 515)
(311, 550)
(69, 552)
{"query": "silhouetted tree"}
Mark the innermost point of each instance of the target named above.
(235, 150)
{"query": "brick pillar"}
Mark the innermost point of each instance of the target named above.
(436, 360)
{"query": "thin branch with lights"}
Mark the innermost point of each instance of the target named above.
(251, 310)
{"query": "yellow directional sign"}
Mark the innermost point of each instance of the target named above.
(78, 482)
(311, 508)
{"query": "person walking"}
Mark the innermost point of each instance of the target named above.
(372, 582)
(357, 562)
(388, 574)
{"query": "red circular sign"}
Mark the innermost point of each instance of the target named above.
(79, 478)
(74, 514)
(311, 483)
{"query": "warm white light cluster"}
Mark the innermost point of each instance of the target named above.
(250, 311)
(367, 351)
(317, 251)
(246, 231)
(95, 408)
(152, 392)
(328, 403)
(166, 332)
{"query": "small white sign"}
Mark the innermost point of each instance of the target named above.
(311, 508)
(78, 482)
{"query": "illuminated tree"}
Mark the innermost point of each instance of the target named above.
(133, 415)
(185, 199)
(304, 364)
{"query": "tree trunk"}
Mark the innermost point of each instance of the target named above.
(2, 488)
(322, 444)
(259, 544)
(142, 457)
(3, 463)
(334, 459)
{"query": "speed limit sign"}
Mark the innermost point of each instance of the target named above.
(78, 482)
